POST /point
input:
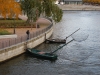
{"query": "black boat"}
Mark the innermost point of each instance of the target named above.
(40, 54)
(63, 41)
(55, 41)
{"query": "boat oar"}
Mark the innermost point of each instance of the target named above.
(72, 33)
(61, 46)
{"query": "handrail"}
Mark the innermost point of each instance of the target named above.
(8, 43)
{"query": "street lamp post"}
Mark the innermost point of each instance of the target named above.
(14, 31)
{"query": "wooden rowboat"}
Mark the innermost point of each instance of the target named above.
(63, 41)
(55, 41)
(40, 54)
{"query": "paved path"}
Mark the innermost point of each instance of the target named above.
(22, 31)
(78, 7)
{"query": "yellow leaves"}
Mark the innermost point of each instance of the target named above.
(92, 1)
(9, 8)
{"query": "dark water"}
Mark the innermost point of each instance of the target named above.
(76, 58)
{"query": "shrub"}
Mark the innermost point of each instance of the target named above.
(4, 32)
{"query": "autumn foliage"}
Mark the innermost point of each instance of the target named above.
(92, 1)
(9, 8)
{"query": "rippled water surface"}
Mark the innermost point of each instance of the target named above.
(76, 58)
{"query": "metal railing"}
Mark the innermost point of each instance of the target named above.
(10, 42)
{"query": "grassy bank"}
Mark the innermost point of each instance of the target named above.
(13, 23)
(4, 32)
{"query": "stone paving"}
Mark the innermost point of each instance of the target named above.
(22, 31)
(79, 7)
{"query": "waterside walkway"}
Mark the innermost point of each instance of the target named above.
(10, 48)
(21, 33)
(73, 7)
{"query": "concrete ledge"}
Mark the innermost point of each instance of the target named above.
(15, 50)
(8, 36)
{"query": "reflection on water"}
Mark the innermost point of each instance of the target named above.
(76, 58)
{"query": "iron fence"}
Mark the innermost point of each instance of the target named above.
(10, 42)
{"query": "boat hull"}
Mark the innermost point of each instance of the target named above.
(55, 41)
(42, 55)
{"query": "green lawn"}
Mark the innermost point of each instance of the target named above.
(11, 21)
(4, 32)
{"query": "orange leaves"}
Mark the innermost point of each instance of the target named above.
(9, 8)
(92, 1)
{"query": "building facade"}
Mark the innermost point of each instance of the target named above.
(17, 0)
(72, 1)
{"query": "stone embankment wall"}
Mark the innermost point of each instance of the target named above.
(72, 7)
(20, 48)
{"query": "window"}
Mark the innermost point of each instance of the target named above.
(17, 0)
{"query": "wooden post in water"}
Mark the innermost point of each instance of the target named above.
(45, 38)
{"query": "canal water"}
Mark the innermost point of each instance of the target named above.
(76, 58)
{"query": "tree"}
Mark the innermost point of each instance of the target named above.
(28, 7)
(92, 1)
(45, 7)
(9, 8)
